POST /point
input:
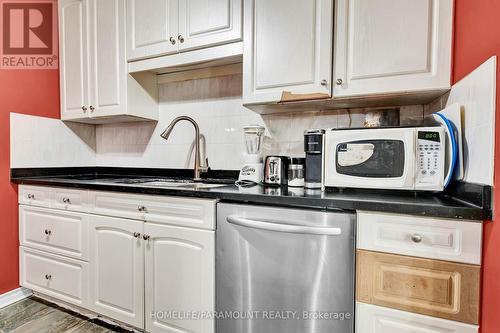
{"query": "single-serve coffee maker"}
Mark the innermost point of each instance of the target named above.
(313, 148)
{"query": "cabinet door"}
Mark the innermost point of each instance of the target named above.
(180, 268)
(73, 59)
(209, 22)
(152, 28)
(384, 46)
(117, 269)
(107, 58)
(288, 47)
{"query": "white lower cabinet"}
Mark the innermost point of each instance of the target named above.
(376, 319)
(426, 237)
(117, 269)
(132, 258)
(180, 278)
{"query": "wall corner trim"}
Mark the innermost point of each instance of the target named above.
(13, 296)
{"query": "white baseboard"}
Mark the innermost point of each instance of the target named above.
(13, 296)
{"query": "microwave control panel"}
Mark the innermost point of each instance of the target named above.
(430, 152)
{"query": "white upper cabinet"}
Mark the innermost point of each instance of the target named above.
(180, 276)
(117, 269)
(73, 58)
(108, 72)
(161, 27)
(204, 23)
(288, 47)
(387, 46)
(152, 28)
(95, 84)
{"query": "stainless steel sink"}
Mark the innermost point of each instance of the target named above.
(202, 185)
(164, 183)
(180, 184)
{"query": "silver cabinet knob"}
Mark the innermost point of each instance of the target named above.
(324, 82)
(137, 234)
(31, 196)
(172, 40)
(180, 38)
(92, 108)
(84, 108)
(339, 82)
(66, 200)
(48, 232)
(141, 208)
(146, 237)
(48, 277)
(416, 238)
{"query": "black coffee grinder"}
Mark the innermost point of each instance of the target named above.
(313, 148)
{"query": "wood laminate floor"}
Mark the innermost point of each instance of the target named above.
(33, 315)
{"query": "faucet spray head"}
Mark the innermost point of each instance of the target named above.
(167, 131)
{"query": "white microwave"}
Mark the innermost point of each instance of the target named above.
(405, 158)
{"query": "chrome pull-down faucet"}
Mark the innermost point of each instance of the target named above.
(198, 168)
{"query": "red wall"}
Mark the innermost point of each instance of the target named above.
(33, 92)
(477, 38)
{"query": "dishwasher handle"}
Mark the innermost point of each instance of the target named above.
(296, 229)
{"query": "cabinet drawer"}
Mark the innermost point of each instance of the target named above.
(75, 200)
(117, 204)
(56, 276)
(376, 319)
(35, 195)
(431, 287)
(55, 231)
(420, 236)
(184, 212)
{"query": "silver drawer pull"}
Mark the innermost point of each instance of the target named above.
(31, 196)
(141, 208)
(137, 234)
(146, 237)
(48, 232)
(416, 238)
(48, 277)
(296, 229)
(66, 200)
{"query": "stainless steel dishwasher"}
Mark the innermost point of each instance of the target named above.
(284, 270)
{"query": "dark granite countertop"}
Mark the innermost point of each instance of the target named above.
(469, 205)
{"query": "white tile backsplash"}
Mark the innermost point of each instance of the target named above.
(477, 94)
(47, 142)
(216, 105)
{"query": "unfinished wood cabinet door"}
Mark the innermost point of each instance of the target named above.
(431, 287)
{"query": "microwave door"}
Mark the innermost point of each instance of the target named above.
(355, 154)
(371, 159)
